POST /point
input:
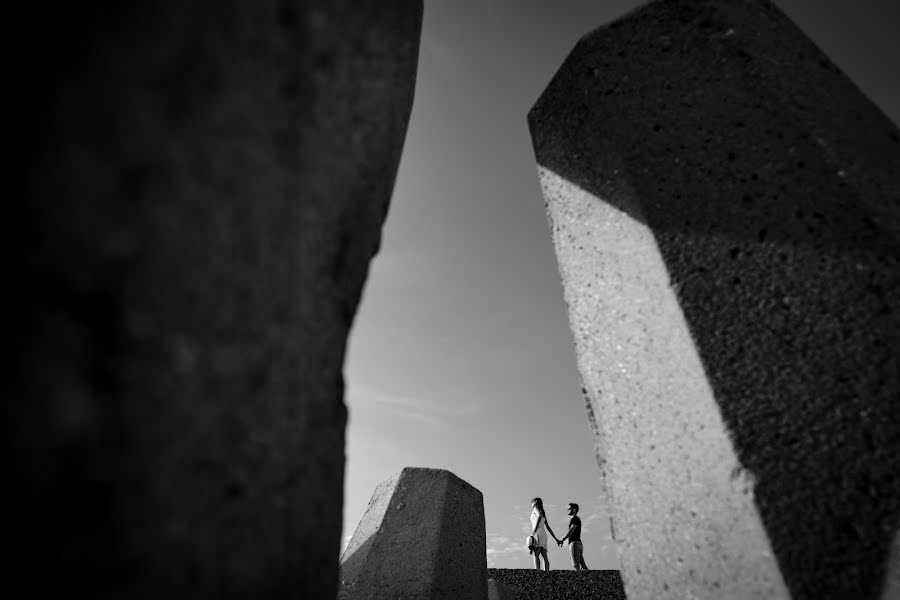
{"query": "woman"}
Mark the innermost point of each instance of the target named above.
(539, 529)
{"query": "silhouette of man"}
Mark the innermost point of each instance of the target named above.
(576, 548)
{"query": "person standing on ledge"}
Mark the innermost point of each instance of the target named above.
(539, 529)
(576, 548)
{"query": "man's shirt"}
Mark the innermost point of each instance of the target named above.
(575, 536)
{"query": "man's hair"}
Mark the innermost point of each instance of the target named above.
(573, 505)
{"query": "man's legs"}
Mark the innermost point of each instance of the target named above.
(581, 556)
(575, 551)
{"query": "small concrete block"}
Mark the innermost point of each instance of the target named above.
(422, 536)
(498, 590)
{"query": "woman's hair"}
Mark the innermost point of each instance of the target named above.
(540, 506)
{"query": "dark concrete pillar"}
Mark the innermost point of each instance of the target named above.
(725, 206)
(200, 186)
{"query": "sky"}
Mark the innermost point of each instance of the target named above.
(461, 357)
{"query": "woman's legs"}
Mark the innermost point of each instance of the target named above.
(538, 552)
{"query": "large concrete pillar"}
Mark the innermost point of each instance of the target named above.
(725, 208)
(422, 537)
(200, 186)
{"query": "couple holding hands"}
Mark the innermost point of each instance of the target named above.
(539, 529)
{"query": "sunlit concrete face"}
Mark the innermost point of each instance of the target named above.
(681, 503)
(762, 189)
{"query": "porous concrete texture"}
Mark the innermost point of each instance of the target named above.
(725, 208)
(561, 584)
(200, 186)
(497, 590)
(682, 508)
(422, 536)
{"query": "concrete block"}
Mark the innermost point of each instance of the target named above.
(421, 537)
(497, 590)
(199, 188)
(725, 209)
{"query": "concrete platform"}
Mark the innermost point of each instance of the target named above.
(561, 584)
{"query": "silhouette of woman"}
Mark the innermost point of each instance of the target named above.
(539, 529)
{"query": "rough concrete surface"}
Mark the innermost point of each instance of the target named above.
(725, 206)
(669, 469)
(421, 537)
(200, 186)
(534, 584)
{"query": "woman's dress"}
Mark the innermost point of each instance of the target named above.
(540, 535)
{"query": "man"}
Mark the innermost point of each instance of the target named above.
(576, 549)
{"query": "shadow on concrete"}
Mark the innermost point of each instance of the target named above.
(352, 564)
(772, 186)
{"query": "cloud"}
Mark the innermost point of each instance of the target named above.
(598, 513)
(412, 408)
(503, 547)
